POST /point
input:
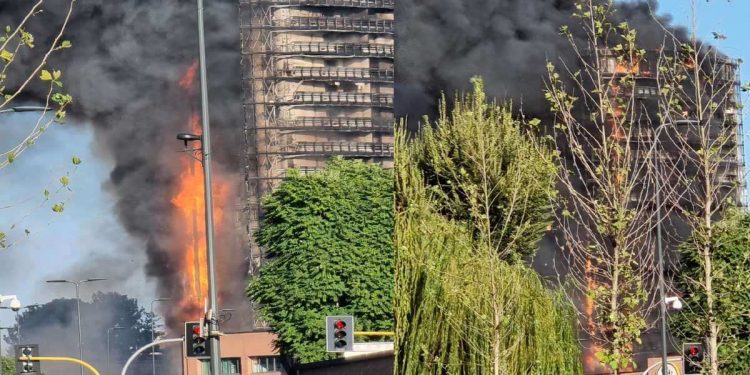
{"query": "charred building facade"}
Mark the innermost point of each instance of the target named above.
(317, 83)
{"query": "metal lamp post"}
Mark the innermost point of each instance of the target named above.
(78, 309)
(18, 322)
(109, 330)
(153, 355)
(205, 138)
(662, 293)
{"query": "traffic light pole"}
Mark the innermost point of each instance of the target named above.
(213, 329)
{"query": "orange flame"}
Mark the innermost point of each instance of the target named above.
(190, 203)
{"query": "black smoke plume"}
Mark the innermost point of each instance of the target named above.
(123, 72)
(442, 44)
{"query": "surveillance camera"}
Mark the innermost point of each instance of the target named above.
(15, 304)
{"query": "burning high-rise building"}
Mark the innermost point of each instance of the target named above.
(317, 82)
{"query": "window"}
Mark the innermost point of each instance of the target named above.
(229, 366)
(266, 364)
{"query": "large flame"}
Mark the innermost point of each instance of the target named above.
(190, 219)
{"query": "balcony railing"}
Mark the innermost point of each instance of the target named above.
(337, 148)
(344, 24)
(379, 4)
(336, 49)
(337, 74)
(335, 124)
(338, 99)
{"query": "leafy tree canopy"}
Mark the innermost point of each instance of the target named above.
(481, 163)
(472, 196)
(54, 327)
(730, 244)
(329, 239)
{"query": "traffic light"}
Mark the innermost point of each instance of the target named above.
(196, 342)
(692, 358)
(339, 334)
(24, 365)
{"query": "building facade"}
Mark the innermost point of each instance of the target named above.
(242, 353)
(317, 83)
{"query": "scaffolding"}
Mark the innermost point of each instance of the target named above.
(317, 82)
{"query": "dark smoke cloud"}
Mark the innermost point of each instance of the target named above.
(122, 71)
(442, 44)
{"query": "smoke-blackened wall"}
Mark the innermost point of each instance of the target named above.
(123, 73)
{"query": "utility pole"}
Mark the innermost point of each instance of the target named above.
(213, 329)
(78, 309)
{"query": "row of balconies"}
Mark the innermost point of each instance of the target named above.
(336, 148)
(350, 124)
(337, 74)
(344, 24)
(345, 99)
(335, 49)
(375, 4)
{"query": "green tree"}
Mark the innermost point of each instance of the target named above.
(485, 169)
(21, 76)
(471, 197)
(8, 365)
(329, 239)
(730, 254)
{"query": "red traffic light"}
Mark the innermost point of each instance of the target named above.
(339, 324)
(197, 330)
(694, 351)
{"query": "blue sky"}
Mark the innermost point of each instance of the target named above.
(728, 17)
(61, 245)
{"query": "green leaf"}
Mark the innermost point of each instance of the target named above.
(76, 160)
(45, 75)
(535, 122)
(11, 157)
(66, 44)
(65, 180)
(46, 194)
(56, 74)
(58, 207)
(6, 55)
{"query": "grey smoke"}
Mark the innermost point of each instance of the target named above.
(122, 71)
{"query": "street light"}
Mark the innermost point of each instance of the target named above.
(205, 138)
(14, 303)
(18, 321)
(660, 250)
(25, 109)
(78, 308)
(109, 330)
(153, 354)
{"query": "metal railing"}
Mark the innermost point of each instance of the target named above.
(340, 98)
(338, 74)
(334, 123)
(382, 4)
(338, 148)
(367, 25)
(336, 49)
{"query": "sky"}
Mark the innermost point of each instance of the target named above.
(728, 17)
(61, 245)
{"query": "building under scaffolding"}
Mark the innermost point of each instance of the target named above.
(317, 83)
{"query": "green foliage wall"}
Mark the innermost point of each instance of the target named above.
(464, 305)
(329, 236)
(730, 244)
